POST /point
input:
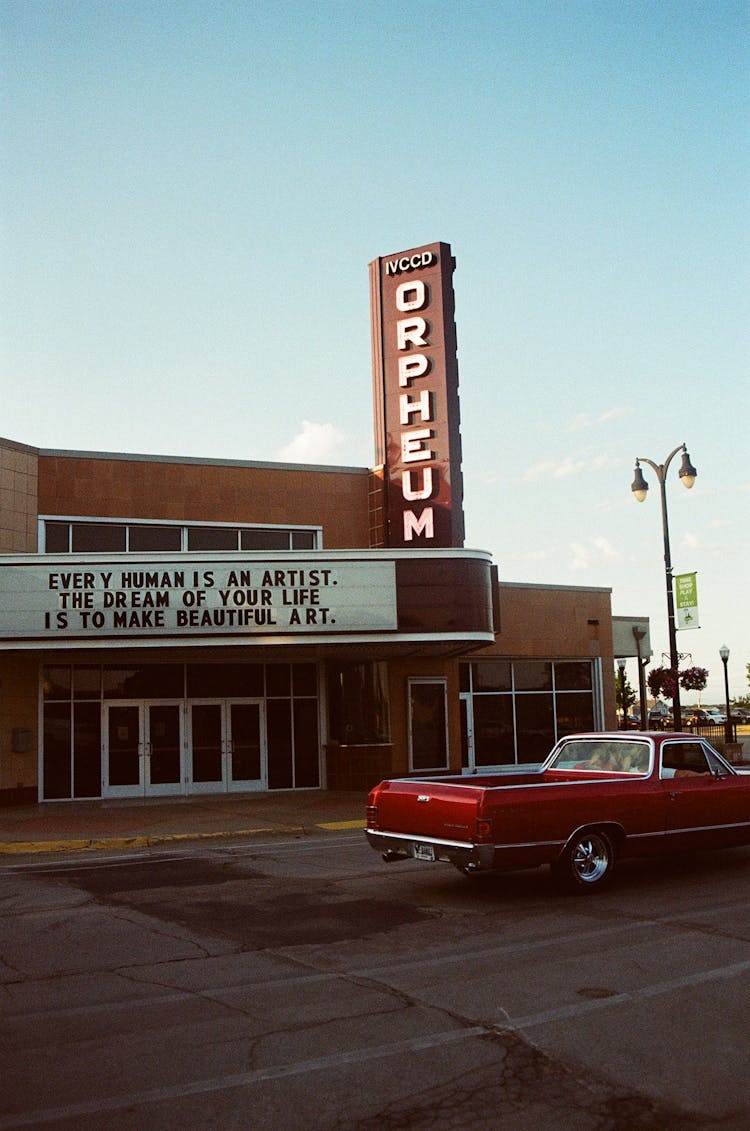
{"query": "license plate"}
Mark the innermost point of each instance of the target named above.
(424, 852)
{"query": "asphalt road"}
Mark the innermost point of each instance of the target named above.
(295, 985)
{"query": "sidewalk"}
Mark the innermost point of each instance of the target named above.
(63, 826)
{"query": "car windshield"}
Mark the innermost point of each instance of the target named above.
(609, 755)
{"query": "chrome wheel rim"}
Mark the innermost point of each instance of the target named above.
(590, 859)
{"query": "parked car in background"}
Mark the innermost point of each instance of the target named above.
(659, 717)
(741, 715)
(717, 716)
(701, 717)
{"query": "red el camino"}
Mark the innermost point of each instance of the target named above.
(598, 798)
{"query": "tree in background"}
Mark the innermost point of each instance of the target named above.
(743, 700)
(625, 696)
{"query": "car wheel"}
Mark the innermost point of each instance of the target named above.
(586, 862)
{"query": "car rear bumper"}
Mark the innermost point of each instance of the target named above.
(407, 846)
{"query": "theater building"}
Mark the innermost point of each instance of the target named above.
(176, 626)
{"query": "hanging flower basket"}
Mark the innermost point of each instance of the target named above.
(694, 679)
(664, 681)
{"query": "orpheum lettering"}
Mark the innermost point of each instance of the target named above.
(416, 407)
(417, 493)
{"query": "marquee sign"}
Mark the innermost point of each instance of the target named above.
(415, 389)
(54, 599)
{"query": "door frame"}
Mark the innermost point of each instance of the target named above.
(226, 784)
(143, 787)
(136, 789)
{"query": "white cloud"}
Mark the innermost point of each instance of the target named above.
(584, 420)
(581, 559)
(316, 443)
(585, 555)
(605, 547)
(568, 466)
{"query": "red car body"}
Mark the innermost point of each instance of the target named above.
(598, 798)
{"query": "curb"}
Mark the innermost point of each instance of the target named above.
(18, 848)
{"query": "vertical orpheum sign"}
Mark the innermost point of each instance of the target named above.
(415, 389)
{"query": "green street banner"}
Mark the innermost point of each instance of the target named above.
(686, 600)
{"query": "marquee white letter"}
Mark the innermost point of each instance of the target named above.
(422, 525)
(412, 493)
(411, 366)
(411, 446)
(416, 288)
(421, 405)
(411, 330)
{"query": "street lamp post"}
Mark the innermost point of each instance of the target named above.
(623, 704)
(724, 653)
(639, 487)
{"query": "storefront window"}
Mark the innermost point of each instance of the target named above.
(212, 538)
(87, 682)
(532, 675)
(573, 676)
(265, 539)
(492, 675)
(515, 710)
(57, 734)
(535, 724)
(87, 741)
(64, 537)
(145, 681)
(154, 539)
(57, 537)
(358, 703)
(225, 681)
(57, 682)
(428, 731)
(278, 679)
(493, 730)
(98, 537)
(575, 713)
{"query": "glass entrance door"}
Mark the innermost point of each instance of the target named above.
(123, 750)
(246, 746)
(207, 762)
(143, 749)
(227, 746)
(163, 760)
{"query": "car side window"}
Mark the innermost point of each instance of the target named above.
(683, 759)
(716, 765)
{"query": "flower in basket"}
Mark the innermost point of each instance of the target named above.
(694, 679)
(662, 681)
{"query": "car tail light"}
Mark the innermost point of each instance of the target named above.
(372, 816)
(484, 830)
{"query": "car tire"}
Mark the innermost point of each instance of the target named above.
(586, 862)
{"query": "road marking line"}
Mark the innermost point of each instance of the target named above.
(566, 1011)
(242, 1080)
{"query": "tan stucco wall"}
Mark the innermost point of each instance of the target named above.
(554, 620)
(18, 498)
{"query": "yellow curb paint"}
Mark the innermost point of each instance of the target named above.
(43, 846)
(29, 846)
(360, 824)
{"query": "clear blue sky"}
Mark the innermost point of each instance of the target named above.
(191, 193)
